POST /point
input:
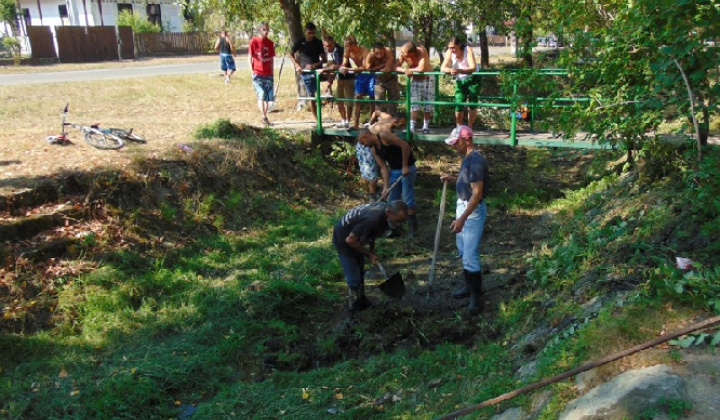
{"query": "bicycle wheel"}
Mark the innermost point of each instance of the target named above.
(100, 140)
(127, 135)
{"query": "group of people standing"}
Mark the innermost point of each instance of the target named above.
(361, 74)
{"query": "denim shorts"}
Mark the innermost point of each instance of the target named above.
(227, 62)
(310, 83)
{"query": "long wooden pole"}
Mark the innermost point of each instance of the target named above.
(437, 238)
(591, 365)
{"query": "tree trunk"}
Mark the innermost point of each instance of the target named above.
(704, 126)
(484, 50)
(389, 38)
(291, 11)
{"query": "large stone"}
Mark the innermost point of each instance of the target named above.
(628, 395)
(515, 413)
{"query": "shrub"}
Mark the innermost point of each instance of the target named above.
(138, 23)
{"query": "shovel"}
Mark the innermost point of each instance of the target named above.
(437, 239)
(393, 286)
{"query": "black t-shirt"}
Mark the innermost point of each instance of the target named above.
(310, 51)
(366, 221)
(393, 156)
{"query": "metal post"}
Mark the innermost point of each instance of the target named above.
(318, 104)
(532, 115)
(513, 118)
(437, 94)
(408, 113)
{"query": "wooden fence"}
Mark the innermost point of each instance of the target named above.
(77, 44)
(147, 44)
(41, 42)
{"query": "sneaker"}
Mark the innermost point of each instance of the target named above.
(339, 125)
(346, 125)
(266, 121)
(366, 125)
(426, 131)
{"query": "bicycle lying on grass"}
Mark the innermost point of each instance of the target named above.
(100, 138)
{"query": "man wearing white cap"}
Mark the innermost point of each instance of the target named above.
(471, 186)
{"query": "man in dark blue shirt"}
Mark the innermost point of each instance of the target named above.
(470, 213)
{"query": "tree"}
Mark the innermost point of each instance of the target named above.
(8, 14)
(643, 63)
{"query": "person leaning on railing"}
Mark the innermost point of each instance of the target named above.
(460, 62)
(311, 57)
(387, 86)
(422, 87)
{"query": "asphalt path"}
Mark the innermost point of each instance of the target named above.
(212, 66)
(120, 73)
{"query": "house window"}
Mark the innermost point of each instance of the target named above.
(153, 14)
(124, 6)
(63, 13)
(26, 17)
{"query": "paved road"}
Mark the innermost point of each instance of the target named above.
(212, 66)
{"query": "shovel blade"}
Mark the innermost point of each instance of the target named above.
(393, 287)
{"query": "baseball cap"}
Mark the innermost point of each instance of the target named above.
(461, 131)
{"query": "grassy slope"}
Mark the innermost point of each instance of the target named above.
(226, 298)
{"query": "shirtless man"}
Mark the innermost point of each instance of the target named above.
(422, 88)
(354, 60)
(382, 59)
(382, 121)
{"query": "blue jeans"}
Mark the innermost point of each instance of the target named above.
(468, 240)
(406, 187)
(354, 268)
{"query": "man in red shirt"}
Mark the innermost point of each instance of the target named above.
(261, 53)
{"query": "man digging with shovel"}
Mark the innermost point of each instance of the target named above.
(354, 239)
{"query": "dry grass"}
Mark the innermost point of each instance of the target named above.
(166, 110)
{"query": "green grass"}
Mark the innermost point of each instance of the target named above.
(242, 320)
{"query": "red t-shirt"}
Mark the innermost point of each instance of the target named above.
(262, 52)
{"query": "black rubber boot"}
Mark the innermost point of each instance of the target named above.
(357, 300)
(476, 300)
(464, 291)
(413, 225)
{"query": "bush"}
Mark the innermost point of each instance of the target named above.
(13, 44)
(138, 23)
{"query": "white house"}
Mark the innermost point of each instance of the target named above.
(166, 13)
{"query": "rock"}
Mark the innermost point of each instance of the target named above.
(515, 413)
(628, 395)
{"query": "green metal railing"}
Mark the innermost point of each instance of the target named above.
(513, 105)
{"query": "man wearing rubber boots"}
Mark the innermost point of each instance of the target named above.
(471, 186)
(354, 239)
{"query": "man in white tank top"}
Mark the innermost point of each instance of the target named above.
(460, 62)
